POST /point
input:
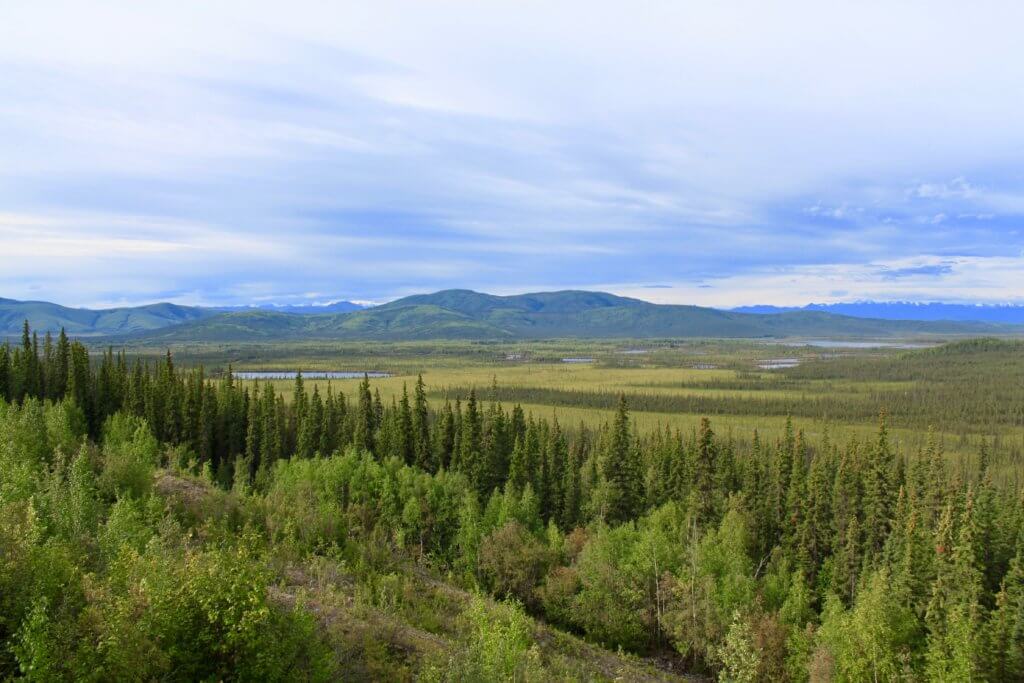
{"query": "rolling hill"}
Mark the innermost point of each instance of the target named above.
(1012, 314)
(464, 314)
(83, 322)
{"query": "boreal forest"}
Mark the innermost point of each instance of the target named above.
(159, 521)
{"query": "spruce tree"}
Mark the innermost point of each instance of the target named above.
(406, 437)
(365, 420)
(421, 426)
(470, 444)
(5, 372)
(557, 461)
(621, 471)
(705, 472)
(444, 439)
(1005, 630)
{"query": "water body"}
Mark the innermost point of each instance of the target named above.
(837, 344)
(311, 374)
(577, 360)
(778, 363)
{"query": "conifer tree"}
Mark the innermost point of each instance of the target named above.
(621, 471)
(405, 436)
(517, 473)
(846, 563)
(879, 494)
(954, 613)
(5, 372)
(365, 420)
(557, 459)
(444, 440)
(1005, 631)
(705, 470)
(421, 426)
(572, 501)
(470, 444)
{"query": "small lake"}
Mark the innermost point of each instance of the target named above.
(577, 360)
(837, 344)
(310, 374)
(778, 363)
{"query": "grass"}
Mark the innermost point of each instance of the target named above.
(839, 390)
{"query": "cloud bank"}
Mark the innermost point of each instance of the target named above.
(731, 154)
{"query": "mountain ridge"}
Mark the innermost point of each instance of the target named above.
(906, 310)
(465, 314)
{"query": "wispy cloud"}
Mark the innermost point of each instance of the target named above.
(187, 151)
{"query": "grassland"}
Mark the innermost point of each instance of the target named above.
(966, 392)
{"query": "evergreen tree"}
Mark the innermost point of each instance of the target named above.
(470, 456)
(705, 470)
(621, 471)
(1005, 631)
(954, 613)
(405, 437)
(421, 426)
(365, 418)
(444, 440)
(5, 372)
(557, 460)
(572, 501)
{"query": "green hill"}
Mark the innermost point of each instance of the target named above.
(44, 317)
(464, 314)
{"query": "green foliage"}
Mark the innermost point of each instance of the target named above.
(738, 656)
(871, 641)
(130, 455)
(498, 648)
(798, 559)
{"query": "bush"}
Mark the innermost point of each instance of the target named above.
(130, 456)
(513, 562)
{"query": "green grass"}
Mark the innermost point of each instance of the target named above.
(968, 391)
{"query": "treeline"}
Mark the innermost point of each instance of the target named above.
(775, 561)
(958, 406)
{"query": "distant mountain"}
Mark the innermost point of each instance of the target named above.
(44, 317)
(307, 309)
(464, 314)
(82, 322)
(1012, 314)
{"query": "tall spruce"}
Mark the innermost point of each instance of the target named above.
(621, 471)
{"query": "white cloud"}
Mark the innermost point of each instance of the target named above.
(187, 149)
(963, 279)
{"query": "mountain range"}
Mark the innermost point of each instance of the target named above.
(306, 309)
(1012, 314)
(465, 314)
(44, 316)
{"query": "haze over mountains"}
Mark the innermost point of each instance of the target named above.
(464, 314)
(907, 310)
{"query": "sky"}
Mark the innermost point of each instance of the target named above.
(723, 154)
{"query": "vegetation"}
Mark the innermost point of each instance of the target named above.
(82, 321)
(155, 523)
(462, 314)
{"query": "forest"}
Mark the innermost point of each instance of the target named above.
(160, 522)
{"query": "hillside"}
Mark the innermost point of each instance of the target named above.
(49, 317)
(905, 310)
(464, 314)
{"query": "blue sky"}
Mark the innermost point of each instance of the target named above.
(712, 153)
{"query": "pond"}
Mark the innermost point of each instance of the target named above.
(838, 344)
(577, 360)
(778, 363)
(308, 374)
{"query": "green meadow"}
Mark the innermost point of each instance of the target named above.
(965, 392)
